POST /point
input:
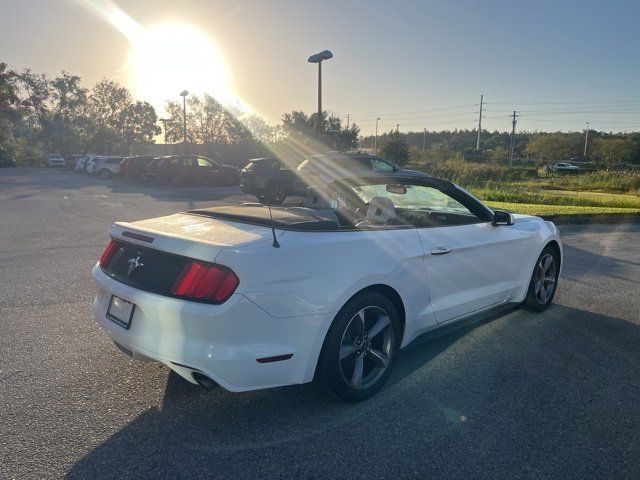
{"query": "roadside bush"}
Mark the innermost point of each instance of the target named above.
(469, 174)
(517, 195)
(603, 180)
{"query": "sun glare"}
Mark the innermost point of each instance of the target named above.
(168, 58)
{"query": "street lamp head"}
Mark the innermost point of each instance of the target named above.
(184, 93)
(319, 57)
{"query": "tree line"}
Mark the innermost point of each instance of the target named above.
(604, 149)
(41, 114)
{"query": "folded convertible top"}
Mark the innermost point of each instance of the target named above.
(294, 218)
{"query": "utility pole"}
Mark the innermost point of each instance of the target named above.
(479, 123)
(513, 137)
(375, 141)
(397, 127)
(424, 138)
(184, 94)
(164, 125)
(586, 141)
(348, 118)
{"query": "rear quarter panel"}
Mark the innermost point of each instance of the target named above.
(316, 273)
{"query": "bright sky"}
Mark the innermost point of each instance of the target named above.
(422, 64)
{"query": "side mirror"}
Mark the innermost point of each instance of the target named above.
(502, 218)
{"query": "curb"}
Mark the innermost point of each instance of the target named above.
(592, 219)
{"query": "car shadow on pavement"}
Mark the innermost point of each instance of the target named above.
(602, 265)
(535, 395)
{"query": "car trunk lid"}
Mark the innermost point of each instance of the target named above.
(151, 254)
(193, 236)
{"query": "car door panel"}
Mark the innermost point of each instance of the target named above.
(469, 267)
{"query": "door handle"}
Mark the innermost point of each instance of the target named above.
(440, 250)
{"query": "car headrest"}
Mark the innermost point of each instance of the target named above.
(317, 198)
(381, 210)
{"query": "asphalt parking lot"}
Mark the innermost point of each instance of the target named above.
(553, 395)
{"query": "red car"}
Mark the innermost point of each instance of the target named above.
(134, 167)
(178, 170)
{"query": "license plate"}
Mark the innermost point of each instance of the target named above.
(120, 311)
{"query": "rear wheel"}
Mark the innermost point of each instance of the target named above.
(544, 280)
(276, 194)
(360, 348)
(105, 173)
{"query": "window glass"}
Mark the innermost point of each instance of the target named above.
(417, 197)
(380, 165)
(203, 162)
(351, 163)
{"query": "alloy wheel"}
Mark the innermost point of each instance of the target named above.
(545, 278)
(366, 347)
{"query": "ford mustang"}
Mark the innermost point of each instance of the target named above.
(254, 296)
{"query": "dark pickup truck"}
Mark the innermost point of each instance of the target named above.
(268, 180)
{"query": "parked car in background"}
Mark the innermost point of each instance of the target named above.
(149, 171)
(7, 160)
(180, 170)
(269, 180)
(107, 167)
(81, 163)
(134, 167)
(55, 160)
(564, 167)
(318, 170)
(90, 164)
(72, 161)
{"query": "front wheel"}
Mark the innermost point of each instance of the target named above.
(544, 281)
(361, 347)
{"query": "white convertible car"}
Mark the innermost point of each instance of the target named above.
(249, 296)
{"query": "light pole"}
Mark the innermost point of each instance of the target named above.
(164, 125)
(319, 58)
(184, 94)
(424, 138)
(375, 140)
(586, 140)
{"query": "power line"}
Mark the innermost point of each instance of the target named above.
(390, 114)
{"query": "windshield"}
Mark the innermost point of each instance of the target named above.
(413, 197)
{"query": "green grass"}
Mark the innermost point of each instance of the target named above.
(547, 210)
(525, 194)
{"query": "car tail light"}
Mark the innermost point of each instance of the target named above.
(108, 253)
(205, 281)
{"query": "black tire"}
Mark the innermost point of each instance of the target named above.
(276, 194)
(373, 356)
(105, 173)
(544, 281)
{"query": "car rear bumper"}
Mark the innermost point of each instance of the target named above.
(224, 342)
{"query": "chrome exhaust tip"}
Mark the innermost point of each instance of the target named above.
(204, 381)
